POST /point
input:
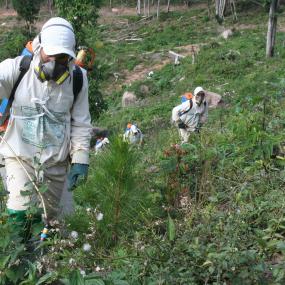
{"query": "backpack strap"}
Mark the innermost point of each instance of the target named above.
(24, 67)
(77, 82)
(186, 111)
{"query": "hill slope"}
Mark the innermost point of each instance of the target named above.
(230, 228)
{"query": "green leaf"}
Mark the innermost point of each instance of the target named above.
(65, 281)
(4, 259)
(43, 188)
(27, 193)
(120, 282)
(47, 277)
(4, 242)
(171, 228)
(12, 275)
(76, 278)
(93, 275)
(94, 282)
(17, 253)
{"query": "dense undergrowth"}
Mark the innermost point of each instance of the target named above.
(211, 212)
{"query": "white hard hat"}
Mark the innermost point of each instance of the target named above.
(57, 36)
(197, 90)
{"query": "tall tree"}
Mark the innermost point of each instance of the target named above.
(139, 7)
(50, 6)
(82, 14)
(168, 6)
(220, 9)
(157, 8)
(271, 32)
(28, 10)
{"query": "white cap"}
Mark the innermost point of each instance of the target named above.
(197, 90)
(57, 36)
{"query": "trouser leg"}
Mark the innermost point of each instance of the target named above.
(17, 181)
(66, 202)
(184, 135)
(55, 178)
(17, 204)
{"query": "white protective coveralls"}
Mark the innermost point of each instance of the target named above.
(100, 144)
(133, 135)
(190, 116)
(46, 124)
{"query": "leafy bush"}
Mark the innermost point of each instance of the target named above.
(28, 10)
(12, 43)
(96, 102)
(81, 14)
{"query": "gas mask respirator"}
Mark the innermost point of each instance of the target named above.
(52, 70)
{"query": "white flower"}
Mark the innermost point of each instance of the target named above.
(74, 234)
(71, 261)
(97, 268)
(150, 73)
(86, 247)
(99, 216)
(82, 272)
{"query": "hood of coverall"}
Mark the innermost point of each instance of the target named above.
(197, 90)
(57, 36)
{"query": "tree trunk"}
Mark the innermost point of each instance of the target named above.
(233, 9)
(148, 8)
(220, 8)
(139, 7)
(7, 4)
(271, 32)
(110, 4)
(168, 5)
(144, 7)
(50, 5)
(157, 8)
(209, 9)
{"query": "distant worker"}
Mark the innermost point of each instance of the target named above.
(191, 114)
(133, 134)
(101, 143)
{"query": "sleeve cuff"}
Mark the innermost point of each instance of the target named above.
(80, 156)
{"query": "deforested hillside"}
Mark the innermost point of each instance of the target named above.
(210, 211)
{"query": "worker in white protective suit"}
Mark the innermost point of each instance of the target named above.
(191, 114)
(101, 143)
(133, 134)
(47, 125)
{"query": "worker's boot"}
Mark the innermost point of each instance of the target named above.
(22, 224)
(18, 222)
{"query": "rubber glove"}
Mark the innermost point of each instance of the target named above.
(78, 172)
(181, 125)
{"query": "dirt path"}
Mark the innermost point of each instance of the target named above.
(9, 19)
(141, 71)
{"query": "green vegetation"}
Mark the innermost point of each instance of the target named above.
(27, 10)
(211, 212)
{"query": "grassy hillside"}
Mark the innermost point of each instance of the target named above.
(230, 230)
(211, 212)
